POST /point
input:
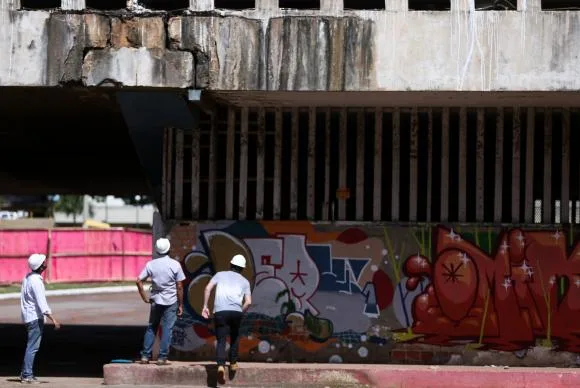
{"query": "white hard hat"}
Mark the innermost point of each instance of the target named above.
(239, 261)
(35, 261)
(162, 246)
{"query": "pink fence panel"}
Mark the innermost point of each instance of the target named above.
(15, 247)
(76, 255)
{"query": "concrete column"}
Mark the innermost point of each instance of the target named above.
(462, 5)
(9, 5)
(73, 5)
(397, 5)
(331, 6)
(529, 5)
(201, 5)
(267, 4)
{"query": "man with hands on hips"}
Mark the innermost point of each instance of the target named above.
(166, 300)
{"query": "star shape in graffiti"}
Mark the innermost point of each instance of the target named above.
(504, 246)
(454, 236)
(577, 282)
(298, 275)
(464, 259)
(507, 283)
(452, 273)
(552, 280)
(557, 235)
(520, 237)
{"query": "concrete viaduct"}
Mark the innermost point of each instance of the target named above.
(367, 160)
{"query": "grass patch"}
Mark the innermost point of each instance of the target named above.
(4, 289)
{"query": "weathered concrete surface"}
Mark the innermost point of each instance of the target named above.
(298, 51)
(341, 375)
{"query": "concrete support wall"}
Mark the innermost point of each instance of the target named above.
(386, 294)
(281, 50)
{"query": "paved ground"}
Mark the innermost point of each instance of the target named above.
(73, 382)
(123, 309)
(96, 329)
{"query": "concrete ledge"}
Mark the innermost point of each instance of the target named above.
(252, 374)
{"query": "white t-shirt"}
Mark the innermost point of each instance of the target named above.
(164, 273)
(231, 287)
(33, 305)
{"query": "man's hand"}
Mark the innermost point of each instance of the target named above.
(147, 300)
(56, 325)
(180, 311)
(205, 312)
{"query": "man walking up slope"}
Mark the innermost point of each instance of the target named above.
(166, 300)
(34, 308)
(233, 297)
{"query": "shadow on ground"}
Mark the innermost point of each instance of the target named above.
(72, 351)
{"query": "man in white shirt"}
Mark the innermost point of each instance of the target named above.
(34, 308)
(233, 297)
(166, 300)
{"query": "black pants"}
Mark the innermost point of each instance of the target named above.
(227, 322)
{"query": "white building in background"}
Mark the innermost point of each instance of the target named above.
(112, 211)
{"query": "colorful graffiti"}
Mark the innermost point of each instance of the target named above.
(525, 291)
(355, 294)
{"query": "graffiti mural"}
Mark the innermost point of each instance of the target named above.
(357, 294)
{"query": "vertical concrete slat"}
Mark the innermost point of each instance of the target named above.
(516, 164)
(267, 5)
(331, 6)
(211, 189)
(396, 173)
(260, 161)
(529, 5)
(326, 206)
(311, 177)
(565, 202)
(178, 182)
(547, 200)
(445, 165)
(201, 5)
(73, 5)
(277, 162)
(429, 164)
(170, 164)
(529, 195)
(360, 165)
(294, 165)
(243, 187)
(195, 172)
(378, 170)
(497, 201)
(164, 190)
(480, 166)
(230, 155)
(462, 195)
(342, 162)
(414, 165)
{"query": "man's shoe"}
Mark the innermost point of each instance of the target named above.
(233, 366)
(221, 374)
(144, 360)
(162, 361)
(29, 380)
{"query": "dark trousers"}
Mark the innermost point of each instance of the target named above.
(227, 322)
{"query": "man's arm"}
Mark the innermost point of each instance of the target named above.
(247, 298)
(206, 295)
(179, 298)
(144, 275)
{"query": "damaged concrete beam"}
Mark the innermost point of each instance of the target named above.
(69, 35)
(146, 32)
(138, 67)
(227, 50)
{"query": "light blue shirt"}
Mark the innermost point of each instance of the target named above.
(164, 273)
(231, 287)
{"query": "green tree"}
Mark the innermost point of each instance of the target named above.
(71, 205)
